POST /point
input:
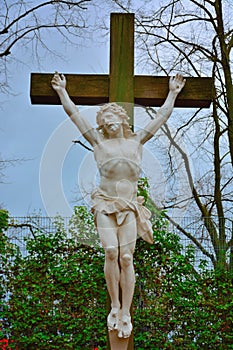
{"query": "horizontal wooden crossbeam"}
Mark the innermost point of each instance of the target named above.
(86, 89)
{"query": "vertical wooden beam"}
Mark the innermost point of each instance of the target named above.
(121, 90)
(121, 84)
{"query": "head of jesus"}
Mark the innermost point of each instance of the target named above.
(111, 117)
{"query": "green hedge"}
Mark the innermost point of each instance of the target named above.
(55, 297)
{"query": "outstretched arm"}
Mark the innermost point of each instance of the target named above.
(59, 85)
(176, 84)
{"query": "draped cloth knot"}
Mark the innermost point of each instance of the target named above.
(106, 204)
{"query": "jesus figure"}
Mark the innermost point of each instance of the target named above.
(119, 214)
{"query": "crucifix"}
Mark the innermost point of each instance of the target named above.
(121, 86)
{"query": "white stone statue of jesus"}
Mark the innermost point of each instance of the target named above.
(119, 214)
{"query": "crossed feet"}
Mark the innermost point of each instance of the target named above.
(122, 324)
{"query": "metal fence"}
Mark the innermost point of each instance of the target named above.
(23, 227)
(192, 231)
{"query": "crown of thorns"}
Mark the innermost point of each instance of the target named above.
(115, 108)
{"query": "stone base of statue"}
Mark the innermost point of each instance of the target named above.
(117, 343)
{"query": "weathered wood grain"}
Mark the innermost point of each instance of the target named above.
(85, 89)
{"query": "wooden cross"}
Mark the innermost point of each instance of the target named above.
(121, 86)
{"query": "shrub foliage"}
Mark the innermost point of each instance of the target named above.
(55, 296)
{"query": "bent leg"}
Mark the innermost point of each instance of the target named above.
(127, 240)
(107, 229)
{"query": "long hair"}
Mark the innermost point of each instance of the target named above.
(120, 112)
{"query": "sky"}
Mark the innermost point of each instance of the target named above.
(52, 173)
(25, 129)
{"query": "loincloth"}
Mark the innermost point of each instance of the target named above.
(121, 206)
